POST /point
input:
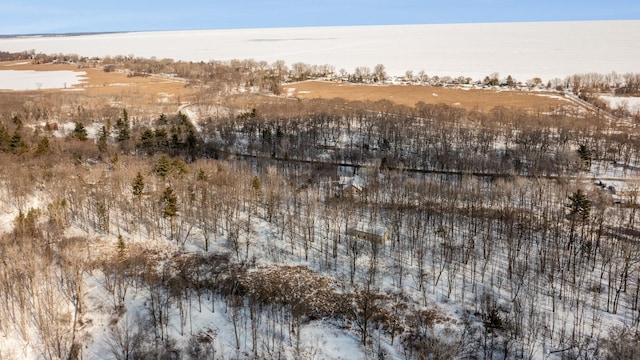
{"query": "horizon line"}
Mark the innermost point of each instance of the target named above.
(106, 32)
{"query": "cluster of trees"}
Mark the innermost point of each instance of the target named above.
(627, 83)
(237, 74)
(9, 56)
(424, 138)
(41, 58)
(214, 76)
(266, 76)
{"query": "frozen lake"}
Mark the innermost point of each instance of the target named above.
(523, 50)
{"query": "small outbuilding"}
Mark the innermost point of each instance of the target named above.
(351, 186)
(369, 232)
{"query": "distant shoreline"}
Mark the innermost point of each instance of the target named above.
(19, 36)
(89, 33)
(522, 50)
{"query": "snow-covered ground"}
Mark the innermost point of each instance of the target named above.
(36, 80)
(630, 103)
(524, 50)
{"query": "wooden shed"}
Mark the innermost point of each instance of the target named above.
(369, 232)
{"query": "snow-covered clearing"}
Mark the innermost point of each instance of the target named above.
(524, 50)
(18, 63)
(39, 80)
(629, 102)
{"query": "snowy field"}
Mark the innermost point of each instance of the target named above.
(36, 80)
(523, 50)
(629, 102)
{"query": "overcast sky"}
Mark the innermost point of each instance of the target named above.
(70, 16)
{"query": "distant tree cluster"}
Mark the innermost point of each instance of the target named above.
(425, 138)
(261, 76)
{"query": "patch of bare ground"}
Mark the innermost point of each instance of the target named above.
(410, 95)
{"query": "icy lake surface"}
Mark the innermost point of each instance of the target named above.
(524, 50)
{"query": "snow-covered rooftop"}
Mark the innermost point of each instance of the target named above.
(355, 181)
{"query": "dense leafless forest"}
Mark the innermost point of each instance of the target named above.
(427, 232)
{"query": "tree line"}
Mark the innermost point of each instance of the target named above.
(268, 77)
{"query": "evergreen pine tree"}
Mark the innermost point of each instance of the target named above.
(103, 139)
(138, 185)
(5, 139)
(585, 156)
(122, 126)
(16, 145)
(255, 184)
(43, 146)
(121, 246)
(170, 203)
(80, 132)
(579, 206)
(162, 167)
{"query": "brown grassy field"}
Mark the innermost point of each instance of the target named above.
(478, 99)
(97, 83)
(163, 91)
